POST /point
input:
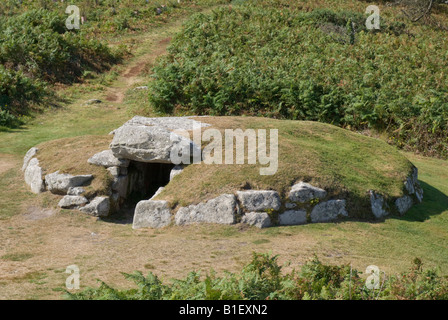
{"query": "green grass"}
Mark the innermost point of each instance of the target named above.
(17, 256)
(346, 164)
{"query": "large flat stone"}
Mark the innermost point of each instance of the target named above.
(328, 211)
(151, 214)
(259, 200)
(221, 210)
(60, 183)
(304, 192)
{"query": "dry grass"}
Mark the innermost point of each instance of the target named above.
(70, 155)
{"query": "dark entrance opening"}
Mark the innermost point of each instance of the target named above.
(144, 179)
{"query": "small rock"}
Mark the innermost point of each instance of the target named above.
(304, 192)
(292, 218)
(98, 207)
(76, 191)
(107, 159)
(69, 202)
(328, 211)
(259, 200)
(257, 219)
(141, 88)
(152, 214)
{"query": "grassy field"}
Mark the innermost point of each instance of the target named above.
(40, 240)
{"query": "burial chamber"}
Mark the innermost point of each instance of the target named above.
(139, 166)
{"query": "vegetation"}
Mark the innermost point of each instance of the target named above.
(263, 279)
(278, 60)
(38, 51)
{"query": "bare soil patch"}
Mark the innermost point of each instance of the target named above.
(7, 162)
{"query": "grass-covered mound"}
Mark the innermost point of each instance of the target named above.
(344, 163)
(292, 61)
(70, 155)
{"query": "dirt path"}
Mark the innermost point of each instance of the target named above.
(132, 73)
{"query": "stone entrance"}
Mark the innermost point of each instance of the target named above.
(144, 179)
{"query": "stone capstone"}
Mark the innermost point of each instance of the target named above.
(259, 200)
(257, 219)
(148, 143)
(152, 214)
(292, 218)
(170, 123)
(304, 192)
(60, 183)
(221, 210)
(33, 176)
(107, 159)
(328, 211)
(98, 207)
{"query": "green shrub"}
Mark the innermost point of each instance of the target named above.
(16, 92)
(284, 63)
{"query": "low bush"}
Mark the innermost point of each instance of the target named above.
(321, 65)
(263, 279)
